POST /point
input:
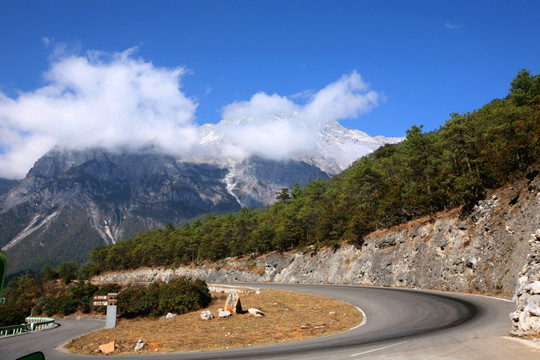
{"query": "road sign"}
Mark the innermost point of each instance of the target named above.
(110, 321)
(110, 301)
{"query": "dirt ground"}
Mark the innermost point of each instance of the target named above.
(288, 316)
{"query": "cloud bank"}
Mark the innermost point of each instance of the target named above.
(98, 99)
(117, 100)
(275, 127)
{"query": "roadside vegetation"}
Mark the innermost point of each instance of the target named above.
(426, 173)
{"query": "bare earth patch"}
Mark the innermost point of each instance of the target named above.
(288, 316)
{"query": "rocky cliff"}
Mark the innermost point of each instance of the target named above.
(72, 201)
(526, 318)
(483, 251)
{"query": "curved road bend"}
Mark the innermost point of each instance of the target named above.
(401, 324)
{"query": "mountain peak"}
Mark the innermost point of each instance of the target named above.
(334, 146)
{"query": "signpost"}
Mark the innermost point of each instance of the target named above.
(109, 300)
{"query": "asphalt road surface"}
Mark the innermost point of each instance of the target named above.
(401, 324)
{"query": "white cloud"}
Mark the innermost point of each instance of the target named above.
(450, 25)
(98, 99)
(304, 94)
(346, 98)
(119, 101)
(261, 107)
(46, 41)
(278, 139)
(275, 127)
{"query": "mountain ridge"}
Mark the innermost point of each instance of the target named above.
(78, 199)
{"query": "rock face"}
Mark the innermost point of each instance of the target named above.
(73, 201)
(526, 319)
(255, 181)
(483, 252)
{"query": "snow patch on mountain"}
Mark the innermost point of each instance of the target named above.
(333, 148)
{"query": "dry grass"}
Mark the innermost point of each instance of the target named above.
(289, 316)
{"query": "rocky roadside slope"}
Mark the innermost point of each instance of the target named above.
(482, 252)
(526, 318)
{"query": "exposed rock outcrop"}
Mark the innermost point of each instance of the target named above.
(526, 319)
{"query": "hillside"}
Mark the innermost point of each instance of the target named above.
(483, 252)
(451, 168)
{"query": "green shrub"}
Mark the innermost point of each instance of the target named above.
(82, 294)
(181, 296)
(11, 314)
(178, 296)
(136, 301)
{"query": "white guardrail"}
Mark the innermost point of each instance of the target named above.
(32, 324)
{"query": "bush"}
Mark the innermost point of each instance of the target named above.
(11, 314)
(178, 296)
(82, 295)
(109, 288)
(61, 305)
(136, 301)
(181, 296)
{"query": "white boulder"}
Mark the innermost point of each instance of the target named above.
(207, 315)
(139, 345)
(224, 313)
(255, 312)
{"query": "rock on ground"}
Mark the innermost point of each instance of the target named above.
(224, 313)
(207, 315)
(139, 345)
(255, 312)
(233, 304)
(108, 348)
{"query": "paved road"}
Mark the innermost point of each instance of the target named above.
(401, 324)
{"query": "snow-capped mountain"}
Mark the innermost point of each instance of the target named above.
(334, 147)
(74, 200)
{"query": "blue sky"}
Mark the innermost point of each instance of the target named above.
(423, 59)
